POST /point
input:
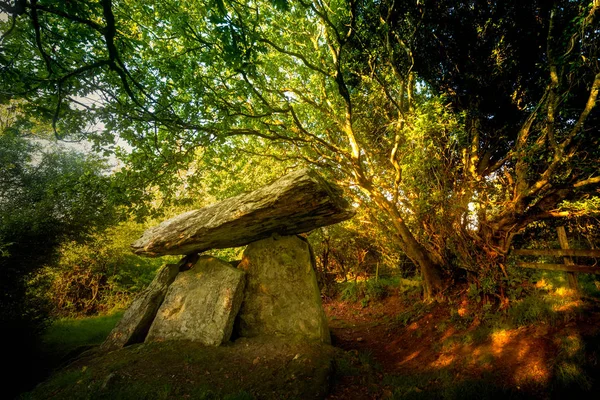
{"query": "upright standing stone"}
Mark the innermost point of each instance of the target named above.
(136, 321)
(282, 296)
(201, 304)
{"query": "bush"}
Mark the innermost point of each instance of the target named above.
(100, 275)
(375, 290)
(370, 290)
(350, 292)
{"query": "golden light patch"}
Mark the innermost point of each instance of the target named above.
(533, 370)
(499, 340)
(449, 332)
(543, 284)
(568, 306)
(413, 327)
(411, 356)
(523, 350)
(443, 360)
(565, 292)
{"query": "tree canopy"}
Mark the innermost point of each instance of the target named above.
(457, 123)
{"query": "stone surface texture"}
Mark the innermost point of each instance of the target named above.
(201, 304)
(136, 321)
(296, 203)
(282, 297)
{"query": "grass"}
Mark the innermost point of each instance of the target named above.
(543, 304)
(67, 335)
(532, 309)
(443, 385)
(174, 370)
(84, 386)
(589, 284)
(418, 310)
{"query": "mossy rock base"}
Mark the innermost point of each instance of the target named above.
(257, 368)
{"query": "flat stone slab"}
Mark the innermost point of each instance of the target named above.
(135, 323)
(282, 297)
(296, 203)
(201, 304)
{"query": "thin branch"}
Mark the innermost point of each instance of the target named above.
(296, 55)
(589, 181)
(68, 16)
(38, 36)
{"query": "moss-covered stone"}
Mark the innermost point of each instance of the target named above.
(136, 321)
(201, 304)
(297, 202)
(282, 297)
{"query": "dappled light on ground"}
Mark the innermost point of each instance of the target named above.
(410, 357)
(534, 348)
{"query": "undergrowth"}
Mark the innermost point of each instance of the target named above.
(373, 290)
(366, 291)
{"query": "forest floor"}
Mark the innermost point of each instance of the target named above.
(402, 348)
(544, 346)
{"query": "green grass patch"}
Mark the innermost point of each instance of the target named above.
(68, 334)
(266, 368)
(532, 309)
(571, 364)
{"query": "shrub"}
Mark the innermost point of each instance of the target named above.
(100, 275)
(370, 290)
(375, 290)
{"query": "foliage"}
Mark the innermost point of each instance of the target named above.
(56, 196)
(532, 309)
(414, 313)
(571, 363)
(365, 291)
(98, 275)
(358, 247)
(48, 195)
(438, 116)
(361, 248)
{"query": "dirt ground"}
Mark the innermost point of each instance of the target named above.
(527, 360)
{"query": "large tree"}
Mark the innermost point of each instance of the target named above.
(526, 77)
(428, 112)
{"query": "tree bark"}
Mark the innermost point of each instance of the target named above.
(430, 270)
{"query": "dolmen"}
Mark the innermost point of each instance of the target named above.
(273, 291)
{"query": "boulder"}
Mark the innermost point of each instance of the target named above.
(298, 202)
(201, 304)
(136, 321)
(282, 297)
